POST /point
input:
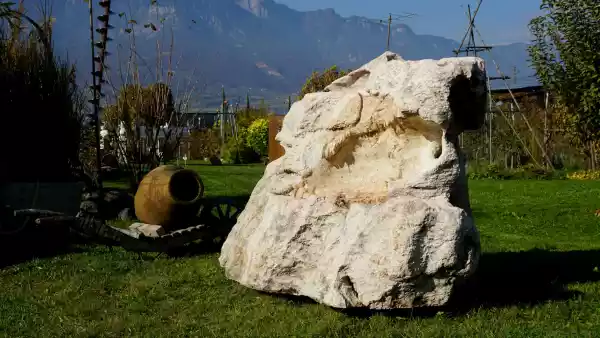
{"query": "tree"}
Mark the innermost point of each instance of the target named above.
(318, 81)
(257, 136)
(204, 144)
(149, 106)
(566, 56)
(40, 98)
(143, 127)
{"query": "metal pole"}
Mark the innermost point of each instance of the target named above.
(96, 100)
(389, 32)
(471, 33)
(222, 117)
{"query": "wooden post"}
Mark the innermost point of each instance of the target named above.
(592, 157)
(512, 154)
(275, 149)
(594, 153)
(546, 136)
(490, 120)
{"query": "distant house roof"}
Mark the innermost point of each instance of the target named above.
(503, 94)
(162, 132)
(529, 89)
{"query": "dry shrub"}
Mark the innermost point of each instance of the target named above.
(41, 108)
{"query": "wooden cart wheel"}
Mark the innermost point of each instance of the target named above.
(220, 215)
(225, 211)
(12, 223)
(15, 225)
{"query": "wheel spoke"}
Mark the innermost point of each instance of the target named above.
(220, 212)
(225, 211)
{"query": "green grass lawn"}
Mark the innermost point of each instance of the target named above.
(219, 180)
(537, 278)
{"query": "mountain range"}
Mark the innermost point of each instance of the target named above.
(259, 46)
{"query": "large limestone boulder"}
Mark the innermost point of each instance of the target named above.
(369, 206)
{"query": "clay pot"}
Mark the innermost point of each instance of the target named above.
(169, 196)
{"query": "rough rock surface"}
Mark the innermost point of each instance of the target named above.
(114, 204)
(149, 230)
(369, 205)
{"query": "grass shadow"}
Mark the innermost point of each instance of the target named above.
(478, 214)
(199, 248)
(35, 243)
(239, 200)
(526, 278)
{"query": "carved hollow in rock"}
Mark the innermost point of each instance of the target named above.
(381, 147)
(466, 100)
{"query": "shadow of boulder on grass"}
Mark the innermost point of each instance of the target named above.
(527, 278)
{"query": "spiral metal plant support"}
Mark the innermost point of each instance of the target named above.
(98, 68)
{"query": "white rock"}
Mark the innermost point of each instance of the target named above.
(369, 205)
(149, 230)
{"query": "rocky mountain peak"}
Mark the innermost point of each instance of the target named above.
(256, 7)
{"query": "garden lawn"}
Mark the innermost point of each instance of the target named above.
(219, 180)
(538, 278)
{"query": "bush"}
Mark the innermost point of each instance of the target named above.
(532, 172)
(204, 144)
(250, 142)
(584, 175)
(257, 136)
(237, 152)
(526, 172)
(38, 96)
(492, 171)
(318, 81)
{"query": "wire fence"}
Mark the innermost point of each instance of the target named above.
(524, 129)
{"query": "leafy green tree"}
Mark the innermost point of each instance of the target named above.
(236, 151)
(319, 80)
(236, 148)
(257, 136)
(566, 56)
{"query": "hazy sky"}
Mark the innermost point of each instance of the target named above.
(499, 21)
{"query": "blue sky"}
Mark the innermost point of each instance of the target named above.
(499, 21)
